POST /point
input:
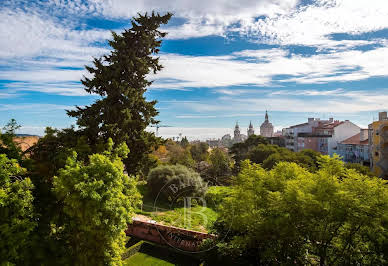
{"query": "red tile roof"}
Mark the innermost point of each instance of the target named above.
(355, 140)
(331, 125)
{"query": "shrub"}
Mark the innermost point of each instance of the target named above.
(215, 195)
(177, 175)
(289, 215)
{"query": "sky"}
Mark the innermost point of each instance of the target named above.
(224, 61)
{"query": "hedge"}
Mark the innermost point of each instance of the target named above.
(132, 250)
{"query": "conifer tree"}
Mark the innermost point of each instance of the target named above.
(120, 78)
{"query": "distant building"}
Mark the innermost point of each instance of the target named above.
(279, 140)
(320, 135)
(278, 134)
(237, 134)
(378, 145)
(250, 130)
(355, 149)
(291, 133)
(266, 129)
(238, 137)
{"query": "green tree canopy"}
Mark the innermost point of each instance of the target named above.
(239, 151)
(178, 175)
(99, 200)
(7, 144)
(199, 151)
(16, 212)
(334, 216)
(221, 164)
(120, 78)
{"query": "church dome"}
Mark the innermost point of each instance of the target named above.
(266, 128)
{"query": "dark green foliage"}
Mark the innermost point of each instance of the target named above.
(184, 142)
(132, 250)
(261, 152)
(49, 154)
(285, 155)
(123, 113)
(199, 151)
(220, 168)
(216, 194)
(240, 150)
(270, 155)
(7, 145)
(163, 176)
(365, 170)
(17, 219)
(179, 155)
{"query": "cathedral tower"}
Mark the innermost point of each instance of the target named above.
(266, 129)
(250, 131)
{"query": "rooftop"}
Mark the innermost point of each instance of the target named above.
(355, 140)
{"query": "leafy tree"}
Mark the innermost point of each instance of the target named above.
(365, 170)
(177, 175)
(221, 165)
(50, 153)
(293, 216)
(285, 155)
(179, 155)
(120, 78)
(199, 151)
(216, 194)
(270, 155)
(46, 158)
(185, 142)
(7, 144)
(261, 152)
(314, 155)
(99, 200)
(16, 212)
(239, 151)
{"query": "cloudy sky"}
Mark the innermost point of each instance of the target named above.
(225, 61)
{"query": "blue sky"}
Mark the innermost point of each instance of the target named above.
(224, 62)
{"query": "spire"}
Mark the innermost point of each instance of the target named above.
(237, 126)
(266, 116)
(250, 124)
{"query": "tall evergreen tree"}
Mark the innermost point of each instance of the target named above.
(120, 78)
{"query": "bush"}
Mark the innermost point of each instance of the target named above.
(289, 215)
(177, 175)
(215, 195)
(132, 250)
(16, 212)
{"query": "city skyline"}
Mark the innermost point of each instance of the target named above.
(228, 62)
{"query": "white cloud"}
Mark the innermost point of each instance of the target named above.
(193, 133)
(25, 34)
(312, 24)
(210, 11)
(222, 71)
(34, 107)
(280, 21)
(60, 88)
(303, 101)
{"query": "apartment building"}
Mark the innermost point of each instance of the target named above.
(378, 145)
(356, 148)
(319, 135)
